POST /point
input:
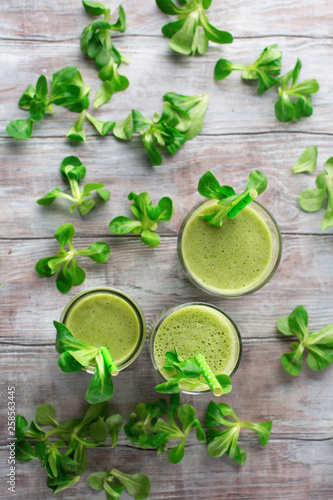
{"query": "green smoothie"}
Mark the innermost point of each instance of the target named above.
(198, 329)
(228, 259)
(104, 319)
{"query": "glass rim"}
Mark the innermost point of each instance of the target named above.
(119, 293)
(215, 293)
(176, 308)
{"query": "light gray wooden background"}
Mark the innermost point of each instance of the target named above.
(240, 134)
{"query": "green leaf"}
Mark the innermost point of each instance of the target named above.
(96, 480)
(257, 181)
(136, 485)
(182, 41)
(99, 251)
(21, 427)
(114, 424)
(307, 161)
(176, 454)
(58, 486)
(220, 441)
(104, 94)
(168, 7)
(76, 273)
(101, 387)
(166, 206)
(51, 196)
(124, 130)
(99, 430)
(94, 8)
(150, 239)
(24, 452)
(27, 97)
(263, 430)
(85, 207)
(292, 361)
(283, 326)
(68, 364)
(120, 25)
(103, 128)
(46, 415)
(213, 34)
(123, 225)
(298, 321)
(170, 29)
(20, 129)
(72, 168)
(284, 109)
(222, 69)
(311, 200)
(37, 110)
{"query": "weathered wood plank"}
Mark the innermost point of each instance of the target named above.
(33, 19)
(31, 169)
(154, 70)
(154, 278)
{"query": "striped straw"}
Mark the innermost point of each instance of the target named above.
(242, 204)
(209, 375)
(109, 361)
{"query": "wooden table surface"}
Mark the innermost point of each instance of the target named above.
(240, 133)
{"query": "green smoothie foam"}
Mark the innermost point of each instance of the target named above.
(231, 258)
(198, 329)
(104, 319)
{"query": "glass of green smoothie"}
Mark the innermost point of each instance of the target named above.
(234, 259)
(197, 328)
(110, 318)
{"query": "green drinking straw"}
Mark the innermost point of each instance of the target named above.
(209, 375)
(242, 204)
(109, 361)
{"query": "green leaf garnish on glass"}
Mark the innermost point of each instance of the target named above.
(319, 344)
(192, 32)
(229, 203)
(191, 374)
(137, 485)
(62, 450)
(97, 43)
(147, 214)
(147, 429)
(295, 99)
(76, 355)
(73, 171)
(70, 273)
(181, 120)
(66, 89)
(307, 162)
(264, 69)
(311, 200)
(222, 442)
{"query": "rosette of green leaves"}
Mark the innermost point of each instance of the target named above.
(147, 214)
(192, 32)
(319, 344)
(137, 485)
(66, 89)
(71, 274)
(311, 200)
(222, 442)
(76, 355)
(295, 100)
(147, 429)
(181, 120)
(210, 187)
(187, 375)
(64, 468)
(73, 171)
(97, 43)
(264, 69)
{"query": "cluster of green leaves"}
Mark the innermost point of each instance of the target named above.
(76, 355)
(147, 429)
(319, 344)
(181, 120)
(66, 89)
(71, 274)
(65, 459)
(76, 132)
(311, 200)
(209, 187)
(137, 485)
(295, 99)
(263, 69)
(307, 162)
(225, 441)
(147, 214)
(73, 171)
(96, 42)
(187, 375)
(192, 32)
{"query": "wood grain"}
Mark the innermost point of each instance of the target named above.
(235, 107)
